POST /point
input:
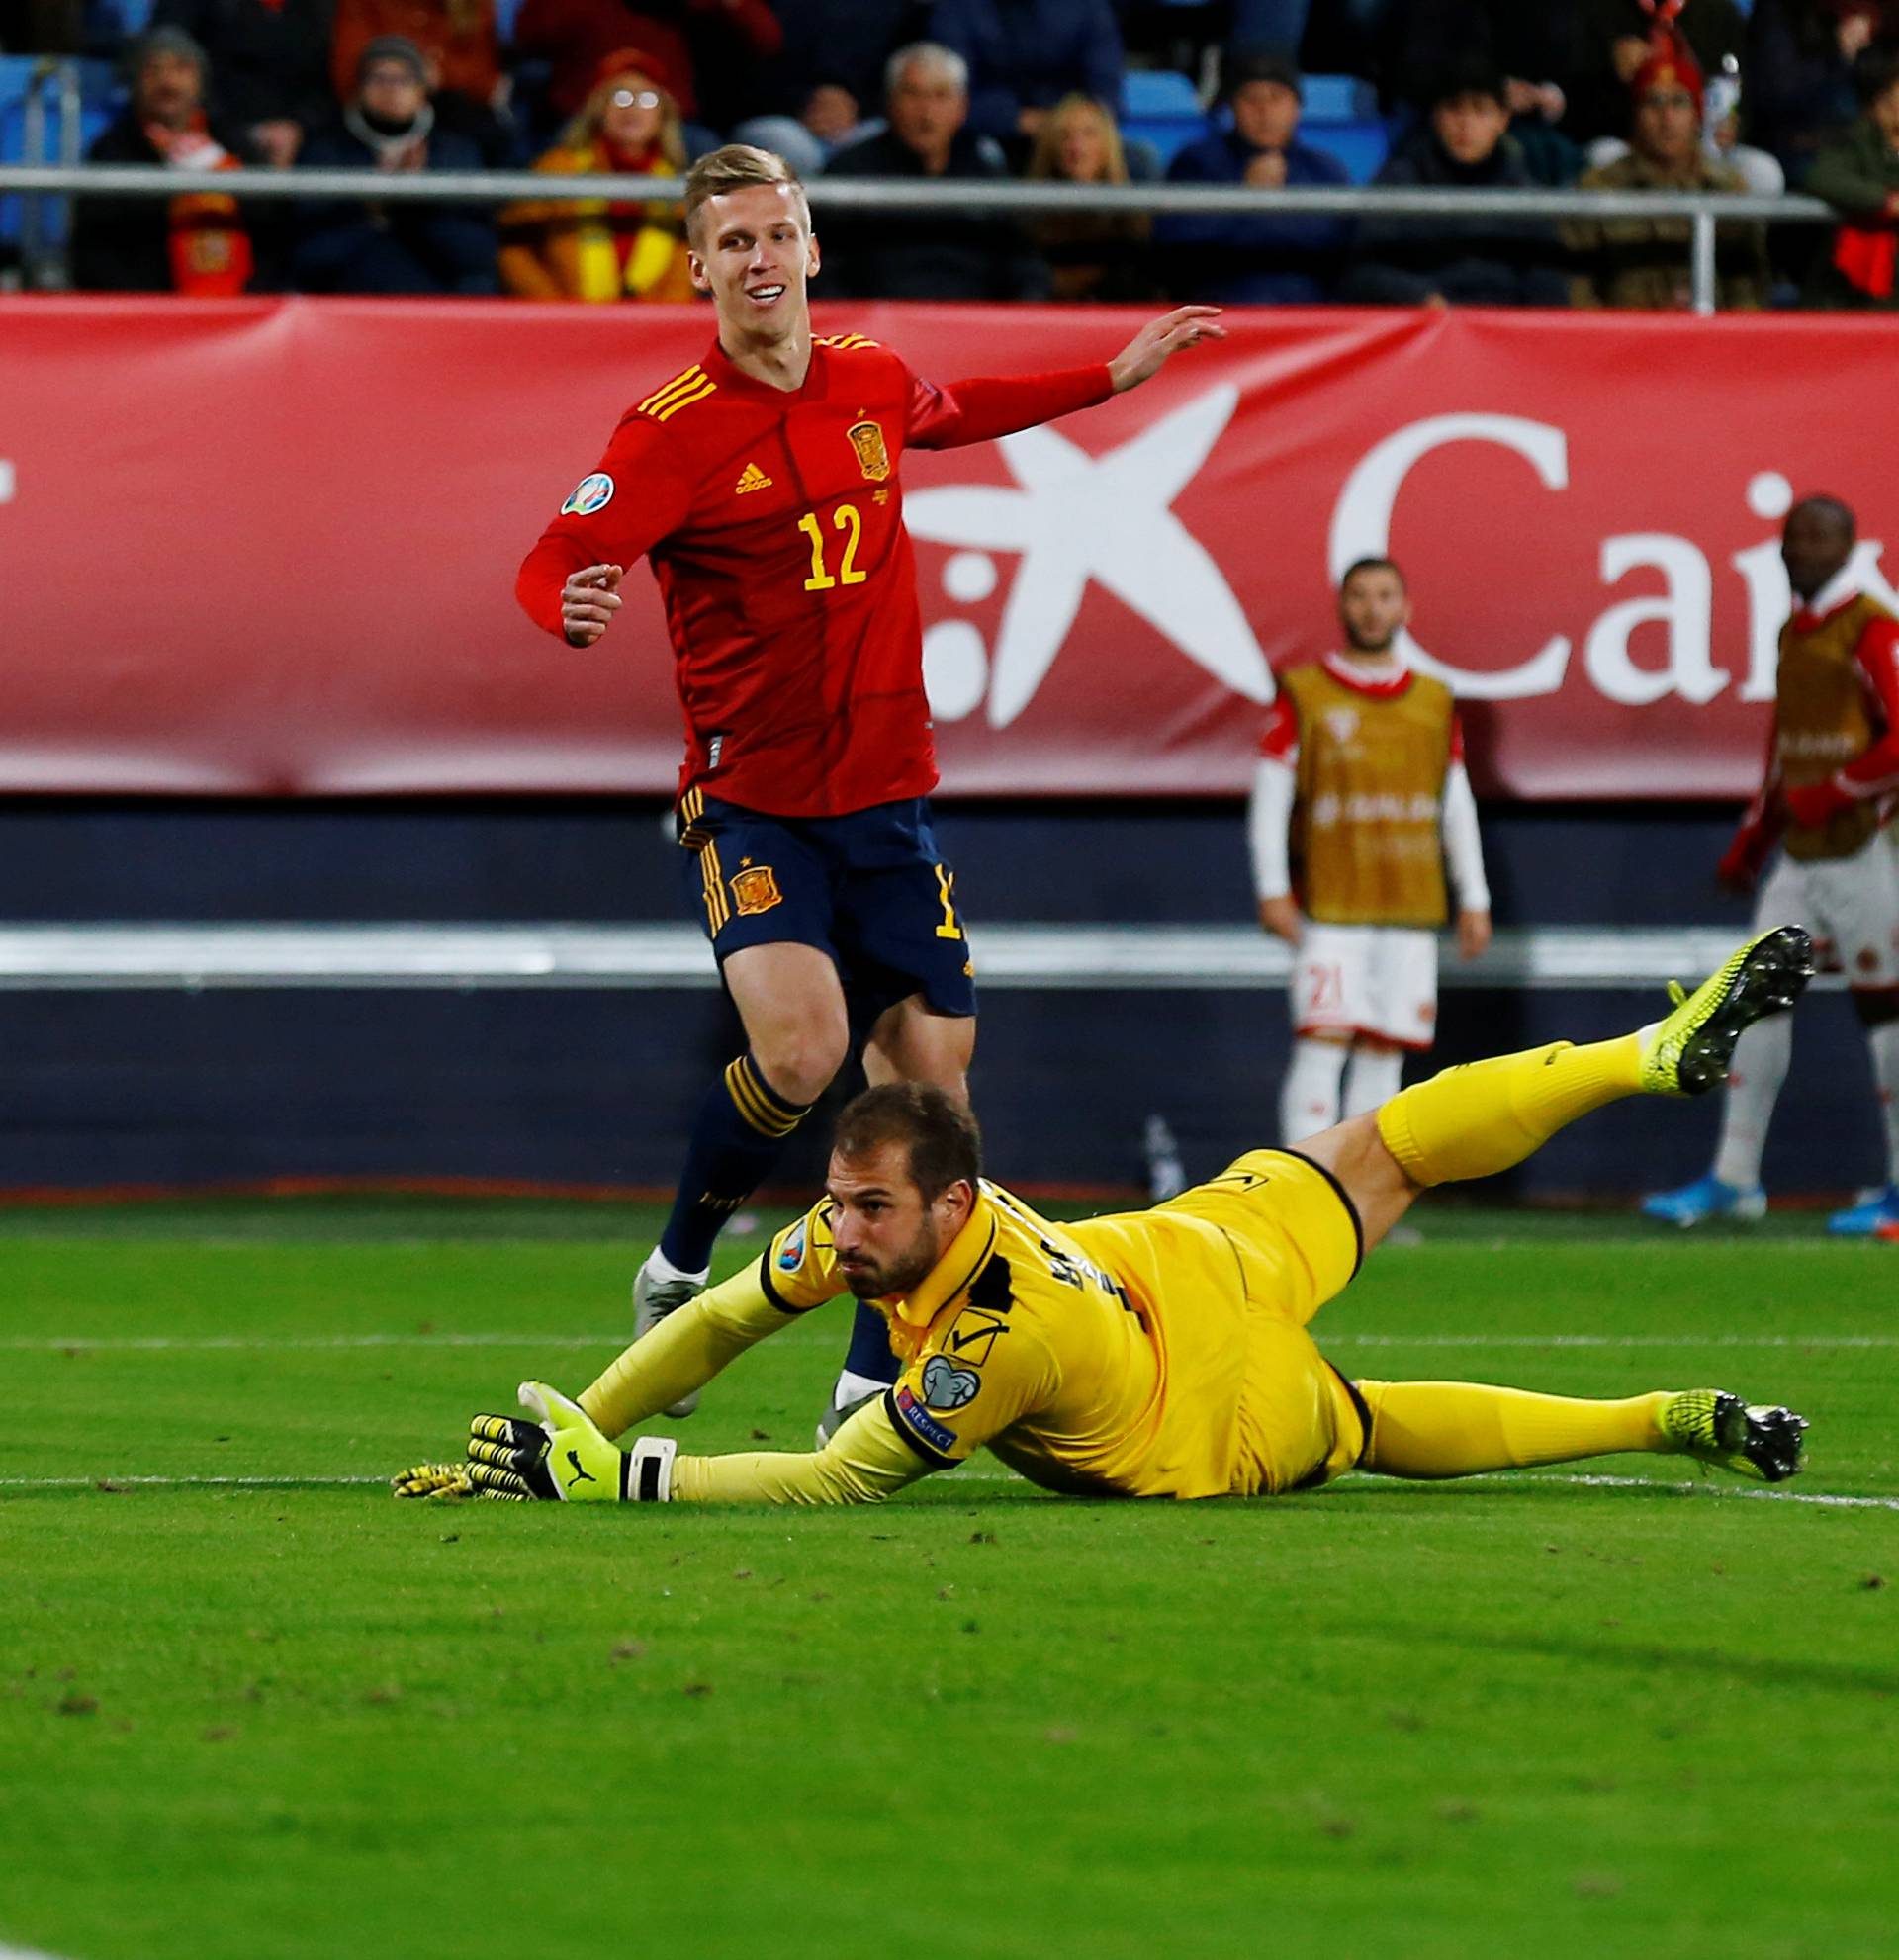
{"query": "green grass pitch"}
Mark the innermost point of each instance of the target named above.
(251, 1709)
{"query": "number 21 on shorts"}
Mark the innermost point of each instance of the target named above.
(1324, 989)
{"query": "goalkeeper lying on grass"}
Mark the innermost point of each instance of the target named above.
(1154, 1354)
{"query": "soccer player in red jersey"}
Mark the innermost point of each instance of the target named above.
(762, 482)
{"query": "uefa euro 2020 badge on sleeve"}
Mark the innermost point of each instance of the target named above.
(590, 494)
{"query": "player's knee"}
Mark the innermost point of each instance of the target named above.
(800, 1059)
(1876, 1007)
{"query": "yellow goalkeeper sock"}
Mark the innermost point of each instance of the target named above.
(1430, 1429)
(1467, 1122)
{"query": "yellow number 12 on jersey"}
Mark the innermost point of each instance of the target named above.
(846, 520)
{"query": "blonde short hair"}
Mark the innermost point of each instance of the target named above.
(732, 168)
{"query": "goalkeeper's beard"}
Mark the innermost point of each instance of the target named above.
(901, 1274)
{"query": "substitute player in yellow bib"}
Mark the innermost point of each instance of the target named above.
(1159, 1354)
(1359, 798)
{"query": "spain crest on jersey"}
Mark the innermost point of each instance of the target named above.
(755, 889)
(874, 458)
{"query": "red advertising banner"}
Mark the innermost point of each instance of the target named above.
(268, 546)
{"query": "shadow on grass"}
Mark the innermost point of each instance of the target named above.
(1747, 1670)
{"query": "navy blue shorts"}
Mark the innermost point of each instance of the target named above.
(868, 888)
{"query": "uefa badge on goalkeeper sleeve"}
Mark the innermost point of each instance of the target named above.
(563, 1458)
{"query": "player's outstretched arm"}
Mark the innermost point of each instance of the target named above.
(562, 1457)
(982, 408)
(1148, 352)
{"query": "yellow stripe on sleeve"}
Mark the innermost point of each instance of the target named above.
(678, 401)
(676, 385)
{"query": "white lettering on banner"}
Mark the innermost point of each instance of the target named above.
(5, 481)
(1077, 518)
(1686, 609)
(1362, 528)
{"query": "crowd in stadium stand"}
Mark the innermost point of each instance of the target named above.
(1626, 94)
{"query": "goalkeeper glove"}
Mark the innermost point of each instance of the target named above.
(563, 1457)
(447, 1483)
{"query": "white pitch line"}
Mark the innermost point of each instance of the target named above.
(1777, 1495)
(245, 1343)
(287, 1343)
(1387, 1486)
(24, 1953)
(181, 1483)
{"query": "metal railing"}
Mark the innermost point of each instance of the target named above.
(1009, 958)
(1704, 210)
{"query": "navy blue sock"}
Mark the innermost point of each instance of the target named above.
(737, 1137)
(869, 1353)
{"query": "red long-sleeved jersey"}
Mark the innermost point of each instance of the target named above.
(774, 520)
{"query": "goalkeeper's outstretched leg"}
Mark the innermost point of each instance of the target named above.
(1472, 1122)
(1475, 1121)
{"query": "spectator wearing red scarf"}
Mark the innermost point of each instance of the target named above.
(194, 243)
(595, 252)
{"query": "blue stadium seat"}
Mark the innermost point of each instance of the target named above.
(1162, 111)
(1151, 92)
(1361, 146)
(1336, 99)
(98, 82)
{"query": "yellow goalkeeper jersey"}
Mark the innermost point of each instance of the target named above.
(1158, 1353)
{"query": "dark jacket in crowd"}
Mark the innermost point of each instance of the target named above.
(123, 244)
(928, 255)
(1029, 54)
(1476, 260)
(1797, 92)
(1232, 260)
(1860, 177)
(371, 247)
(269, 62)
(1643, 262)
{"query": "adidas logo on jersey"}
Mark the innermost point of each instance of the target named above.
(753, 477)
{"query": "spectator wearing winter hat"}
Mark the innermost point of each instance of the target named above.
(1643, 262)
(1860, 178)
(625, 250)
(1243, 260)
(196, 243)
(1463, 144)
(375, 247)
(1619, 38)
(460, 43)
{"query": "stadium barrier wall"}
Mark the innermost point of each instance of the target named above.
(186, 1080)
(275, 556)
